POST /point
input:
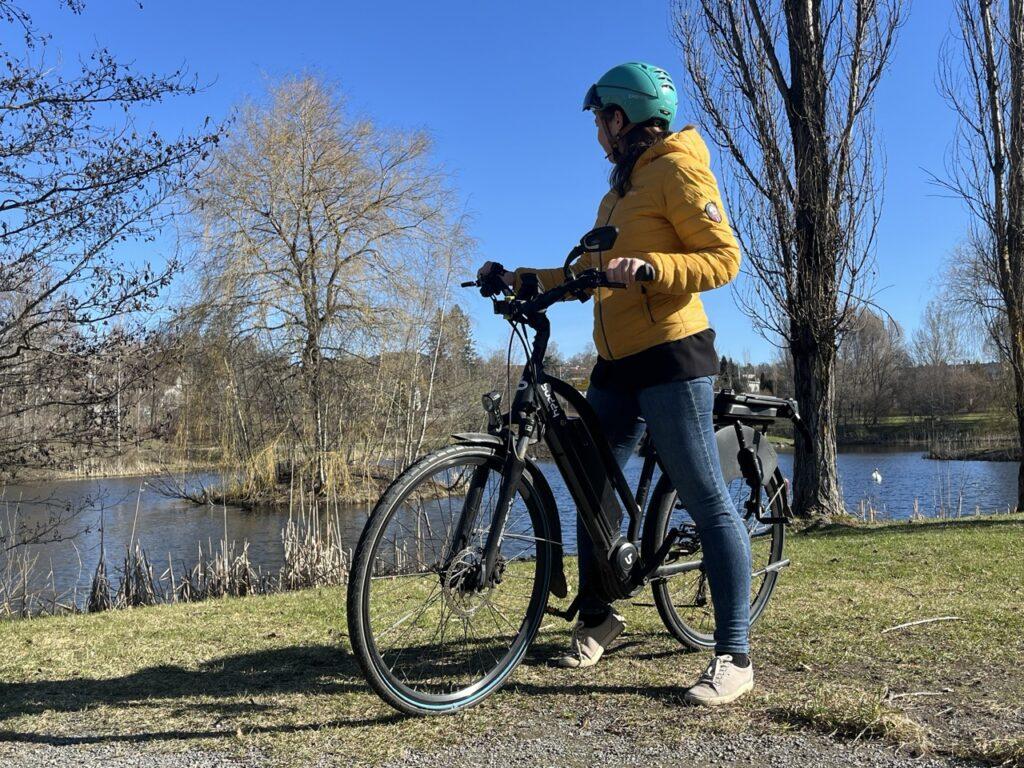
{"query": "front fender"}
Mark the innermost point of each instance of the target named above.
(558, 587)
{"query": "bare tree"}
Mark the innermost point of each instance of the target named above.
(80, 181)
(785, 89)
(870, 361)
(982, 78)
(326, 241)
(939, 338)
(937, 347)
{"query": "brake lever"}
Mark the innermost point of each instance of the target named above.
(489, 287)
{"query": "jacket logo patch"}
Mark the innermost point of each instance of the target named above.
(712, 212)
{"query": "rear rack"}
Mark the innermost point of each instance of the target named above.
(756, 410)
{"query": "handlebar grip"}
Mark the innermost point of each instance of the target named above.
(645, 274)
(468, 284)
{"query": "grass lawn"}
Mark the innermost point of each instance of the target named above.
(274, 674)
(999, 418)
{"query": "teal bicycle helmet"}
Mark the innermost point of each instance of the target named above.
(642, 91)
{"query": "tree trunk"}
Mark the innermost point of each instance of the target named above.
(813, 339)
(1013, 259)
(312, 372)
(816, 489)
(1017, 343)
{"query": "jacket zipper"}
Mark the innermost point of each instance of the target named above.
(600, 304)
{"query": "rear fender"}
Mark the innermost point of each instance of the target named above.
(728, 455)
(729, 448)
(558, 587)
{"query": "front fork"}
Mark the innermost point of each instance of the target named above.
(511, 475)
(470, 512)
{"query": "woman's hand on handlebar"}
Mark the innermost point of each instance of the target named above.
(490, 268)
(625, 271)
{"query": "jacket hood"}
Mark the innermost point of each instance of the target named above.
(687, 145)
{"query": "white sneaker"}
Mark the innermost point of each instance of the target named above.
(589, 643)
(720, 683)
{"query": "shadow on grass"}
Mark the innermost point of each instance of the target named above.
(906, 527)
(233, 682)
(312, 670)
(583, 683)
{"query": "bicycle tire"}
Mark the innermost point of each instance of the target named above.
(383, 679)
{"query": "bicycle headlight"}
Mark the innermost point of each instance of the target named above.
(492, 401)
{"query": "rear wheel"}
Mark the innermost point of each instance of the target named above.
(684, 600)
(428, 636)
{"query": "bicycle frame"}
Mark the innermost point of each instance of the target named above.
(585, 461)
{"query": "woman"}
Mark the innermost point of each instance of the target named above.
(656, 350)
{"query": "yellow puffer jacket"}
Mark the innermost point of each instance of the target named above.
(671, 217)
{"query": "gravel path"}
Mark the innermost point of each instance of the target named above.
(115, 756)
(556, 742)
(568, 750)
(542, 745)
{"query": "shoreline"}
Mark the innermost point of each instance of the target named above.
(42, 475)
(129, 468)
(948, 453)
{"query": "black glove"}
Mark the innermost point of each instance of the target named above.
(491, 282)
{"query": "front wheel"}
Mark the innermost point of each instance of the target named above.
(428, 635)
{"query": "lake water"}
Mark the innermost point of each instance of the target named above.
(169, 528)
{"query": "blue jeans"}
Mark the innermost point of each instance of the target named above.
(678, 416)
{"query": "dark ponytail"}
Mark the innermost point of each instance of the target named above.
(629, 147)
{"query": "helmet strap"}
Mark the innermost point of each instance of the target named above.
(613, 141)
(625, 129)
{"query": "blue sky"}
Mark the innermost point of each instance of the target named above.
(499, 87)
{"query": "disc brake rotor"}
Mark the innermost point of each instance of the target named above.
(460, 582)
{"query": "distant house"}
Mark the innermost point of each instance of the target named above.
(995, 371)
(172, 396)
(749, 382)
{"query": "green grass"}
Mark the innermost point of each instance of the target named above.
(986, 418)
(274, 674)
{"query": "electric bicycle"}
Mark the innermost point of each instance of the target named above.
(452, 575)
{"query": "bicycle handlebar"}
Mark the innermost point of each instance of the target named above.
(585, 281)
(530, 309)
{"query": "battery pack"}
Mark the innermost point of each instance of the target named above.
(588, 480)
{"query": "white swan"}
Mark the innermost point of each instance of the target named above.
(876, 475)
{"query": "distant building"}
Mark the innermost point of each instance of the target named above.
(749, 382)
(172, 396)
(995, 371)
